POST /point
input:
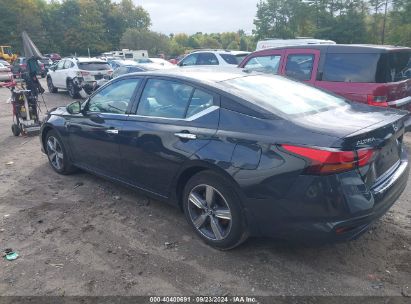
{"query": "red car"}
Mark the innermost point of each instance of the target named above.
(53, 56)
(376, 75)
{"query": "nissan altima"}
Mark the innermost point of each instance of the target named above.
(241, 153)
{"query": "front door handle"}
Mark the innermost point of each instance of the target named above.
(186, 135)
(112, 131)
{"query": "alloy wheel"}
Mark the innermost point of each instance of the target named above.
(55, 153)
(70, 89)
(209, 212)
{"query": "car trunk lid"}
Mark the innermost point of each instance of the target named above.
(360, 127)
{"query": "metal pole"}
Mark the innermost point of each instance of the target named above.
(384, 22)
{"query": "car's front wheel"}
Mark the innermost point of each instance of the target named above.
(50, 85)
(213, 208)
(57, 154)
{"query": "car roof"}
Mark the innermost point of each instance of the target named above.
(347, 48)
(85, 59)
(201, 74)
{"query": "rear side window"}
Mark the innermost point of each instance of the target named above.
(207, 59)
(299, 66)
(93, 66)
(230, 59)
(398, 66)
(266, 64)
(169, 99)
(199, 102)
(164, 98)
(351, 67)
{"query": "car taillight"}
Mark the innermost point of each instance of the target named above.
(379, 101)
(323, 161)
(82, 73)
(109, 72)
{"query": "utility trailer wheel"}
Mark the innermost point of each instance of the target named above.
(15, 129)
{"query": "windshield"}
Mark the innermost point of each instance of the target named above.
(281, 95)
(93, 66)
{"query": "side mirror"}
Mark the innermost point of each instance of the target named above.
(74, 107)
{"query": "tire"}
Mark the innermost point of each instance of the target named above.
(15, 129)
(72, 90)
(50, 85)
(220, 224)
(57, 154)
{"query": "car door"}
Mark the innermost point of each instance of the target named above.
(94, 134)
(173, 120)
(57, 75)
(301, 64)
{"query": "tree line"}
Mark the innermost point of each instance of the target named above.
(77, 26)
(344, 21)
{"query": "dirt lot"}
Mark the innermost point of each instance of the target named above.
(82, 235)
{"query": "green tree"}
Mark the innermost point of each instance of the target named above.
(154, 43)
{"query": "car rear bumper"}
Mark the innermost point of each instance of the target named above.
(400, 102)
(358, 209)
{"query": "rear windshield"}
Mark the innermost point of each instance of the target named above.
(282, 96)
(370, 68)
(93, 66)
(230, 59)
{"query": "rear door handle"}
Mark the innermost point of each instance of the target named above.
(112, 131)
(186, 135)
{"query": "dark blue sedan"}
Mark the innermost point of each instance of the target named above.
(241, 153)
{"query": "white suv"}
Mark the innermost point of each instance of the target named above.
(79, 76)
(213, 57)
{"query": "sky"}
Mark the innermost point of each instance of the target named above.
(207, 16)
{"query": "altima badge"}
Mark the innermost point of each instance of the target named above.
(365, 141)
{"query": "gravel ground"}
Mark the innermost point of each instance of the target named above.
(82, 235)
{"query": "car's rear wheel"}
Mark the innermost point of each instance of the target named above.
(57, 155)
(50, 85)
(213, 208)
(72, 90)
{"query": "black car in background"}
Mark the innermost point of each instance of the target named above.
(241, 153)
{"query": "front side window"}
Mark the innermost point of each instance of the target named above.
(115, 98)
(164, 98)
(299, 66)
(265, 64)
(60, 65)
(190, 60)
(67, 64)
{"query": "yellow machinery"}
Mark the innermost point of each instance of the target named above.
(6, 53)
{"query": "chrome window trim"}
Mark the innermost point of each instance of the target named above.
(191, 118)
